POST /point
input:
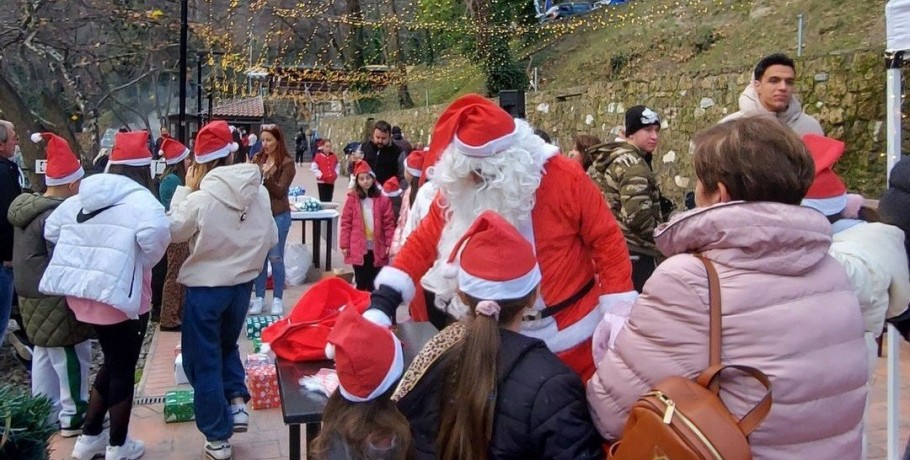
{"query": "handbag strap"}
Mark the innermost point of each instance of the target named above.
(711, 376)
(714, 326)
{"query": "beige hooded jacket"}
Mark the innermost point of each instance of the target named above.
(794, 117)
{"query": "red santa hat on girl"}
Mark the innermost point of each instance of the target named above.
(214, 141)
(495, 261)
(827, 194)
(131, 149)
(414, 163)
(62, 165)
(475, 126)
(391, 188)
(173, 151)
(368, 357)
(362, 167)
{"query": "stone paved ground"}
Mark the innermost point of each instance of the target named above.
(267, 438)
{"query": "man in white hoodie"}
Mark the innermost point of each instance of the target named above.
(771, 93)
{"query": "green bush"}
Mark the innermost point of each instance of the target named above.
(25, 428)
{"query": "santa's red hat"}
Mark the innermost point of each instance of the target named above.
(495, 262)
(476, 126)
(362, 167)
(391, 187)
(63, 166)
(828, 194)
(368, 357)
(414, 163)
(173, 151)
(131, 149)
(214, 141)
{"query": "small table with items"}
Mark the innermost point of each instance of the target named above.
(330, 217)
(300, 406)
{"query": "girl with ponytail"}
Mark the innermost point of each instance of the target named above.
(481, 390)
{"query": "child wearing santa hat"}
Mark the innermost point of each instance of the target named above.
(107, 239)
(326, 168)
(367, 227)
(177, 158)
(392, 189)
(62, 352)
(360, 420)
(480, 389)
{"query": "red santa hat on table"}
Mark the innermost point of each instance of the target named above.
(173, 151)
(391, 188)
(414, 163)
(62, 165)
(475, 126)
(368, 357)
(362, 167)
(495, 262)
(827, 194)
(214, 141)
(131, 149)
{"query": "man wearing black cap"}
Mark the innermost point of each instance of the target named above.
(622, 170)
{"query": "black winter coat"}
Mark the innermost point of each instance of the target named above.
(541, 410)
(383, 161)
(894, 207)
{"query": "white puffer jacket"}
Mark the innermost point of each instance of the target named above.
(105, 237)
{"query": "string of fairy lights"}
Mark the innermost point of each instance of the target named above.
(314, 36)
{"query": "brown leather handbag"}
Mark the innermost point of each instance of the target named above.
(685, 419)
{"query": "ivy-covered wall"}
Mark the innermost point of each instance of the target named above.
(845, 92)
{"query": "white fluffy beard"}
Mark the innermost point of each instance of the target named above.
(507, 186)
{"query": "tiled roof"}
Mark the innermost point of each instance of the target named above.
(248, 108)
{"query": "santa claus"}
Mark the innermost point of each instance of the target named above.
(490, 161)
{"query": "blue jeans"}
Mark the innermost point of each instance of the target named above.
(6, 299)
(212, 320)
(276, 257)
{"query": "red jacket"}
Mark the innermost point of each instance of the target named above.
(353, 233)
(325, 167)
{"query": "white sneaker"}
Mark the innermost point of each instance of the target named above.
(277, 307)
(89, 447)
(218, 450)
(130, 450)
(241, 417)
(255, 306)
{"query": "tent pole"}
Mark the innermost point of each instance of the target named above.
(894, 62)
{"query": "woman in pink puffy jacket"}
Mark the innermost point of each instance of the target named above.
(787, 306)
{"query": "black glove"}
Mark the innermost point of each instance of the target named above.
(386, 300)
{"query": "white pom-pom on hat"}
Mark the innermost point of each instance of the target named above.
(233, 146)
(450, 271)
(329, 351)
(37, 137)
(161, 153)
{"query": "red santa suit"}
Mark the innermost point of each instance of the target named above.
(580, 249)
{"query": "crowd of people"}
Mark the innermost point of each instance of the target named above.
(564, 285)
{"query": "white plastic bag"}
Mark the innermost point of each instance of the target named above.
(297, 261)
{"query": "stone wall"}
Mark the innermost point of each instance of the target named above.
(846, 92)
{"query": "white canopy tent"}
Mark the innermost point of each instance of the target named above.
(897, 19)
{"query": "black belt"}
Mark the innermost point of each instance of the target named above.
(554, 309)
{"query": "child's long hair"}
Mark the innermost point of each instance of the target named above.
(466, 423)
(373, 192)
(178, 168)
(360, 424)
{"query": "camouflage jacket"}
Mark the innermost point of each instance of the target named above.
(629, 186)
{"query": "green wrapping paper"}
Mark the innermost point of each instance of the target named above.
(255, 325)
(257, 345)
(178, 406)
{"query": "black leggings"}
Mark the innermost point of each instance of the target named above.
(326, 191)
(365, 274)
(298, 157)
(113, 388)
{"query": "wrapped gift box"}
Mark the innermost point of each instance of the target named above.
(262, 382)
(178, 406)
(255, 325)
(257, 359)
(179, 373)
(257, 345)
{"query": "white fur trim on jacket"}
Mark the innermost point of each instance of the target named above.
(398, 280)
(395, 371)
(68, 179)
(617, 308)
(559, 340)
